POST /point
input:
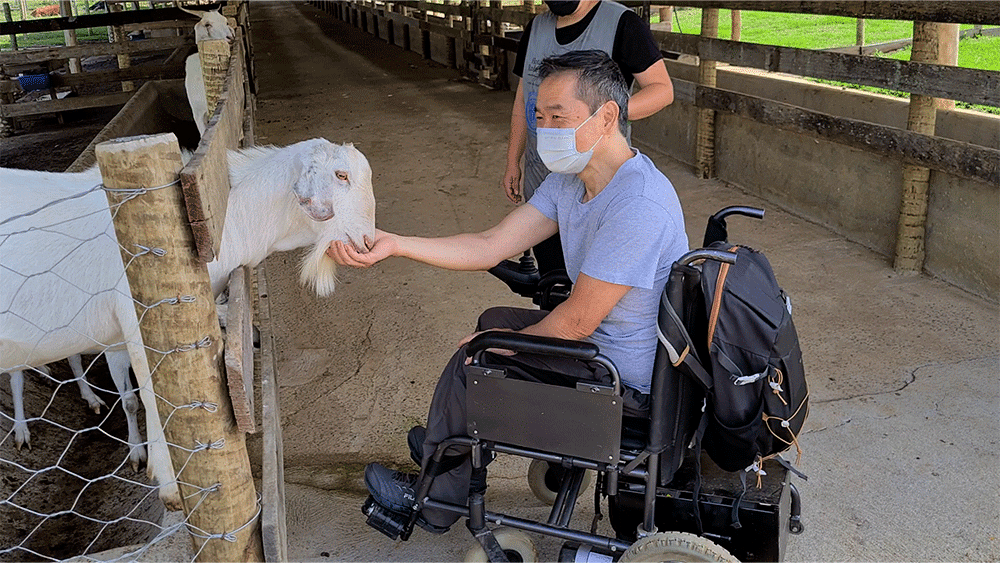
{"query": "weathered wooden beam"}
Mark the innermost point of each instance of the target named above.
(93, 49)
(206, 177)
(175, 70)
(953, 157)
(456, 32)
(968, 11)
(273, 522)
(239, 349)
(65, 104)
(95, 20)
(940, 81)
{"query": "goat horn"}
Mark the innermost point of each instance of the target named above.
(183, 9)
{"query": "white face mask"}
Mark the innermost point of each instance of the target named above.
(557, 148)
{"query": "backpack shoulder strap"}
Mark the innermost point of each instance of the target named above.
(720, 284)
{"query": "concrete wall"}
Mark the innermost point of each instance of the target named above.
(854, 192)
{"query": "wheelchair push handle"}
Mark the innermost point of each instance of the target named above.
(546, 346)
(716, 229)
(707, 254)
(754, 212)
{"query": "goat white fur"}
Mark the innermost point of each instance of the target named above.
(64, 291)
(212, 25)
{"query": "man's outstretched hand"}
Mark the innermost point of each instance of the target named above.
(350, 254)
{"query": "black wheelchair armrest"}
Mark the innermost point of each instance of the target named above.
(518, 342)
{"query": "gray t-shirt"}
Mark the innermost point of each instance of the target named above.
(629, 234)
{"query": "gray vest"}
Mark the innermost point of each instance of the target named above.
(600, 35)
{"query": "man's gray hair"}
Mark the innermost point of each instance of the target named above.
(598, 80)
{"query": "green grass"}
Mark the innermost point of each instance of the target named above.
(50, 38)
(807, 31)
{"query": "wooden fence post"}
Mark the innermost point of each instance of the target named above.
(116, 34)
(666, 17)
(214, 55)
(66, 10)
(736, 27)
(948, 38)
(859, 36)
(7, 16)
(705, 143)
(921, 119)
(184, 342)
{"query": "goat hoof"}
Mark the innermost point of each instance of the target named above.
(137, 458)
(171, 500)
(22, 437)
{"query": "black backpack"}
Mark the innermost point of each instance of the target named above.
(757, 397)
(728, 328)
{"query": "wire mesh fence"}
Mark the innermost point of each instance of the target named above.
(82, 473)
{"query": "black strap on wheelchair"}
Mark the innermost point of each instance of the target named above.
(702, 426)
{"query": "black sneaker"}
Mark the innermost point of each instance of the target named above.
(391, 489)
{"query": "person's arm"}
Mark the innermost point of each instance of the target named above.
(637, 52)
(580, 315)
(656, 91)
(515, 147)
(521, 229)
(577, 317)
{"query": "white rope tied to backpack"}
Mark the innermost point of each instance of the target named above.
(748, 379)
(757, 467)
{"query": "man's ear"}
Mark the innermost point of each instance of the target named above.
(609, 115)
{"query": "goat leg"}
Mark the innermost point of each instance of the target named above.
(21, 434)
(95, 402)
(118, 363)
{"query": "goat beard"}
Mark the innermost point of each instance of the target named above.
(318, 271)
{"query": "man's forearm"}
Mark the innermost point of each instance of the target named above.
(466, 252)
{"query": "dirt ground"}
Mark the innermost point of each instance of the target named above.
(901, 442)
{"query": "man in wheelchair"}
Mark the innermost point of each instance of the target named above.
(621, 227)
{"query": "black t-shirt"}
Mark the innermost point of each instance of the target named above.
(634, 49)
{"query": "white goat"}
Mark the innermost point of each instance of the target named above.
(211, 25)
(64, 291)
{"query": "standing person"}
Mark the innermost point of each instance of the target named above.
(615, 199)
(575, 26)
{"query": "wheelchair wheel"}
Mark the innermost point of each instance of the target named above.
(676, 546)
(544, 480)
(516, 545)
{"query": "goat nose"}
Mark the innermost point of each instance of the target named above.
(321, 214)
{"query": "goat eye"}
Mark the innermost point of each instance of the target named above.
(342, 176)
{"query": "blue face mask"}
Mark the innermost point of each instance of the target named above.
(557, 149)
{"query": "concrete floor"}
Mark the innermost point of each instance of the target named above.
(901, 443)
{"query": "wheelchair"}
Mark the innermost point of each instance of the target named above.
(665, 503)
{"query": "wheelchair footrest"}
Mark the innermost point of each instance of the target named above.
(390, 523)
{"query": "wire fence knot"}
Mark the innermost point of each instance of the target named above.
(216, 445)
(208, 406)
